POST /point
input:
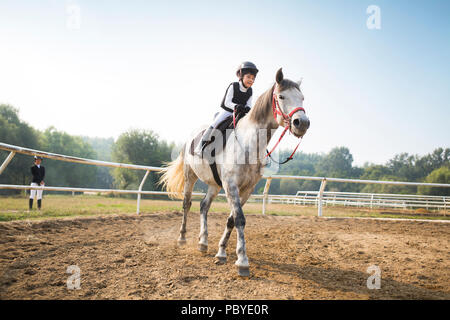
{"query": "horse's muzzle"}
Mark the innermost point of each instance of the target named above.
(300, 125)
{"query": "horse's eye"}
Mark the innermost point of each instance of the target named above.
(281, 97)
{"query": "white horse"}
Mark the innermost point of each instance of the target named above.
(242, 161)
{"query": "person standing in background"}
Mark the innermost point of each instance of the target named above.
(38, 173)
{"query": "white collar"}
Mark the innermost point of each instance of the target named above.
(241, 87)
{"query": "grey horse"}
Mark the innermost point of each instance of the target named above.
(239, 164)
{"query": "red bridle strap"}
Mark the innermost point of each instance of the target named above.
(287, 119)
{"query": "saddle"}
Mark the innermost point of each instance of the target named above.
(222, 127)
(226, 124)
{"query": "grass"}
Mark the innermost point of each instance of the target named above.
(57, 206)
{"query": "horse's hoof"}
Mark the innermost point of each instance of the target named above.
(221, 260)
(244, 271)
(202, 247)
(181, 242)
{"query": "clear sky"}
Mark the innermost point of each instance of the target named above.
(165, 65)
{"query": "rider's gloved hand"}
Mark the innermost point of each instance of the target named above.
(247, 109)
(239, 109)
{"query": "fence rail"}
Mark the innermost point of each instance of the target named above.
(319, 197)
(372, 200)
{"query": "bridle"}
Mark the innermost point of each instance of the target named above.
(287, 120)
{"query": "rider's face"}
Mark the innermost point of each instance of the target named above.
(248, 80)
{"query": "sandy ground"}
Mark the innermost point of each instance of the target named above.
(291, 257)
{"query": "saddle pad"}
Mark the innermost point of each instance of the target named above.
(223, 126)
(227, 123)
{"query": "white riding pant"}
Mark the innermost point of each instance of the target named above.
(34, 193)
(220, 117)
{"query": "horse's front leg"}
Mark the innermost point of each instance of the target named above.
(221, 255)
(222, 252)
(239, 223)
(205, 204)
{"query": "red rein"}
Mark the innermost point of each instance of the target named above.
(287, 119)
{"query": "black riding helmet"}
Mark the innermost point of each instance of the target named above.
(246, 67)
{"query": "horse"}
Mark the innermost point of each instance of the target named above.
(280, 105)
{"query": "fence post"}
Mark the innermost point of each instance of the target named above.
(320, 196)
(140, 189)
(266, 194)
(7, 161)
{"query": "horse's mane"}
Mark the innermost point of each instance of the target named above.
(263, 105)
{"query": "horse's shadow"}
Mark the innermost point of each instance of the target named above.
(334, 279)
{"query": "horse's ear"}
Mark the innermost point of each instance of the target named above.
(279, 76)
(299, 82)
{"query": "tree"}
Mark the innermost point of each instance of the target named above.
(289, 186)
(139, 147)
(102, 148)
(435, 160)
(441, 175)
(16, 132)
(338, 164)
(60, 173)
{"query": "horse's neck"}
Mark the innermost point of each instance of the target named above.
(260, 116)
(259, 124)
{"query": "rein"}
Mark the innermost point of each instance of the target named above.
(287, 119)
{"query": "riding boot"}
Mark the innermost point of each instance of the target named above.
(30, 204)
(39, 203)
(205, 139)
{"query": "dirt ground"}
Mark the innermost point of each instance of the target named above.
(291, 257)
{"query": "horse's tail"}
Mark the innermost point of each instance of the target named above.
(172, 178)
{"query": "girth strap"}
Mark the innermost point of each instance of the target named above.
(213, 167)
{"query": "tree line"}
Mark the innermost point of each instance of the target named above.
(338, 163)
(144, 147)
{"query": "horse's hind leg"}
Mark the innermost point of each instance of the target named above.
(205, 204)
(189, 181)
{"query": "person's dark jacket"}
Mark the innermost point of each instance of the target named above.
(38, 174)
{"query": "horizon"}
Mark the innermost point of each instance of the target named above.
(277, 151)
(165, 68)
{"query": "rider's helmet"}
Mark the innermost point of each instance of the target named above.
(37, 157)
(246, 67)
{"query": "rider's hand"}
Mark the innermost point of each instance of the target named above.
(239, 109)
(247, 109)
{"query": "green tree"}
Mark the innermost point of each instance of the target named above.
(338, 164)
(140, 147)
(61, 173)
(103, 149)
(290, 186)
(16, 132)
(441, 175)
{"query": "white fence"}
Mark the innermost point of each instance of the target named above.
(320, 196)
(368, 200)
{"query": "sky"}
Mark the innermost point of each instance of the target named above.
(100, 68)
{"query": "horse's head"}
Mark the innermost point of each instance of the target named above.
(287, 103)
